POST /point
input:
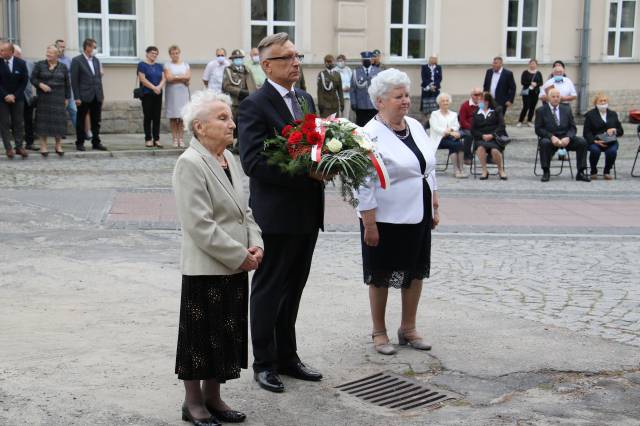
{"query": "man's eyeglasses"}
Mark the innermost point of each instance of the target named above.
(289, 58)
(476, 94)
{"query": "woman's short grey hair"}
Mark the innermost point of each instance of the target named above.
(199, 106)
(386, 81)
(443, 95)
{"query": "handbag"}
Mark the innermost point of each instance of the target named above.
(525, 92)
(501, 140)
(607, 138)
(137, 92)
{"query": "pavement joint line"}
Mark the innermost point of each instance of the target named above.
(508, 234)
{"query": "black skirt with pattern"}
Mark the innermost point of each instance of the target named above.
(213, 330)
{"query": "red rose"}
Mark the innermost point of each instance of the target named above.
(295, 138)
(310, 117)
(314, 138)
(286, 130)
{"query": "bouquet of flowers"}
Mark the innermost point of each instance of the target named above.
(332, 147)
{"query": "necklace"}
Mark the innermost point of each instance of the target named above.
(398, 133)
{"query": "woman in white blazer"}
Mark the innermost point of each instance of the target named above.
(444, 129)
(221, 242)
(396, 222)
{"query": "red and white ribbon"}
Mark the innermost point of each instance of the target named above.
(381, 170)
(316, 150)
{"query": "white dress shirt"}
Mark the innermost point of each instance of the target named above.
(555, 111)
(439, 123)
(345, 75)
(565, 87)
(283, 92)
(90, 62)
(214, 73)
(494, 82)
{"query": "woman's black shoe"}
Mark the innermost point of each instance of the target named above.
(60, 153)
(484, 177)
(45, 154)
(187, 417)
(228, 416)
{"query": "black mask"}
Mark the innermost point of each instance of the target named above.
(366, 62)
(330, 66)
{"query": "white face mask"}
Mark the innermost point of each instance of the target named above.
(256, 59)
(602, 107)
(220, 59)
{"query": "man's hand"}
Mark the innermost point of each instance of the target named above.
(257, 253)
(321, 177)
(78, 102)
(555, 141)
(487, 138)
(564, 142)
(371, 235)
(10, 99)
(250, 263)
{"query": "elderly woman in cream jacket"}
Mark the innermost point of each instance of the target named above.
(445, 131)
(396, 222)
(221, 242)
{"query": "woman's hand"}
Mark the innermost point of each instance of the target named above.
(66, 103)
(455, 135)
(44, 88)
(487, 138)
(371, 236)
(600, 143)
(257, 253)
(436, 218)
(250, 263)
(156, 90)
(612, 131)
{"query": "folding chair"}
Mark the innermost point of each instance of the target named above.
(492, 168)
(560, 168)
(439, 167)
(637, 154)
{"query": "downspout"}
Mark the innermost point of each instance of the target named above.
(11, 20)
(583, 89)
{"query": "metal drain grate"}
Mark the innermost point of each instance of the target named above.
(393, 391)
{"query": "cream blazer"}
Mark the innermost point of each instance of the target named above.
(402, 201)
(217, 223)
(438, 124)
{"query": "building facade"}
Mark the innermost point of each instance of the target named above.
(464, 34)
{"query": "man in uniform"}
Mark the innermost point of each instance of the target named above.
(360, 101)
(237, 81)
(330, 97)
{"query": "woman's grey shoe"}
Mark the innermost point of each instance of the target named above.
(384, 348)
(415, 343)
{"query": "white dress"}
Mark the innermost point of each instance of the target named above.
(177, 94)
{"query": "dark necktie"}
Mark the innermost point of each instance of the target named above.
(555, 116)
(295, 106)
(6, 61)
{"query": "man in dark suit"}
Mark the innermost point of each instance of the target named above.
(14, 77)
(556, 129)
(86, 82)
(500, 83)
(289, 210)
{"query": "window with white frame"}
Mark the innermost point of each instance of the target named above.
(270, 17)
(522, 28)
(408, 29)
(111, 23)
(621, 28)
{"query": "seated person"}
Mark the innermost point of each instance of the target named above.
(465, 115)
(556, 129)
(559, 81)
(602, 128)
(487, 124)
(445, 132)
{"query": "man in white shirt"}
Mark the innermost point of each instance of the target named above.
(214, 72)
(345, 74)
(564, 85)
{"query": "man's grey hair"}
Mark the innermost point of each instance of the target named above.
(278, 39)
(199, 106)
(386, 81)
(443, 95)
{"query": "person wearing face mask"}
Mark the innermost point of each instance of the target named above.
(255, 68)
(360, 82)
(237, 81)
(330, 96)
(346, 74)
(214, 72)
(559, 81)
(602, 128)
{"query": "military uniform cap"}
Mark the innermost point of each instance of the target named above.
(366, 54)
(237, 53)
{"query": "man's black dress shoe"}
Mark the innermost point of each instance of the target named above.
(269, 380)
(583, 177)
(228, 416)
(300, 371)
(187, 417)
(545, 176)
(100, 147)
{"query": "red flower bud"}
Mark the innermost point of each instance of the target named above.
(295, 138)
(286, 130)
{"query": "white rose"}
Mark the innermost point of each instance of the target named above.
(334, 145)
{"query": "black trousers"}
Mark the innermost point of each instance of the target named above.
(28, 124)
(151, 112)
(95, 109)
(363, 116)
(276, 290)
(12, 123)
(576, 144)
(529, 103)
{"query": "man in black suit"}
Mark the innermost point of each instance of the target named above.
(289, 210)
(86, 82)
(14, 77)
(500, 83)
(556, 129)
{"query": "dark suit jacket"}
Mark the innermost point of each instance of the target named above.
(428, 78)
(593, 124)
(546, 125)
(13, 83)
(281, 203)
(491, 125)
(86, 85)
(506, 88)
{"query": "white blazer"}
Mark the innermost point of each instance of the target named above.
(217, 224)
(438, 123)
(402, 201)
